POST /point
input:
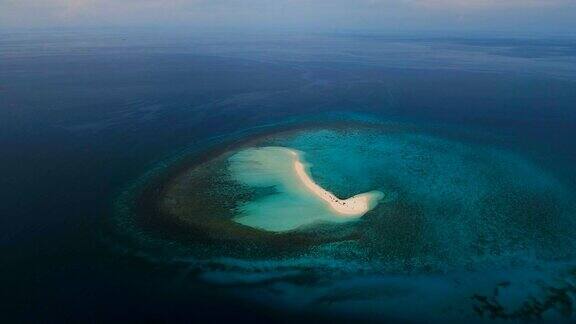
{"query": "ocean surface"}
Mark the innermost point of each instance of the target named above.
(85, 114)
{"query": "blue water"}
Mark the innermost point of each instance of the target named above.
(86, 114)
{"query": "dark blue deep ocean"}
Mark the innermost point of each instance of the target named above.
(85, 113)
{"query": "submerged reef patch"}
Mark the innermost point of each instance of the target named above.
(442, 203)
(441, 211)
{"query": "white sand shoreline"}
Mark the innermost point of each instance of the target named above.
(352, 207)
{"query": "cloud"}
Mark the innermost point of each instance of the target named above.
(487, 4)
(386, 14)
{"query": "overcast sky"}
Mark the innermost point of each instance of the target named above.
(551, 16)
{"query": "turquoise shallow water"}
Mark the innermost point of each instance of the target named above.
(297, 201)
(446, 200)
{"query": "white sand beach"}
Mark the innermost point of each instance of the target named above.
(352, 207)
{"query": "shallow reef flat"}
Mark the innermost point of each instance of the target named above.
(446, 211)
(299, 201)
